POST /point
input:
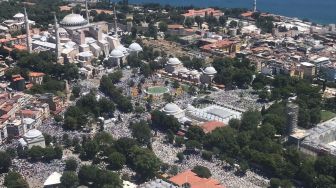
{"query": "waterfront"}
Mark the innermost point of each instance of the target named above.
(315, 10)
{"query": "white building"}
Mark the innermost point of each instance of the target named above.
(173, 110)
(32, 138)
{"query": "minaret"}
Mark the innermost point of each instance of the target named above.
(255, 6)
(115, 19)
(57, 50)
(28, 38)
(87, 11)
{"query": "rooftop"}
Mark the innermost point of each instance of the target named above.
(195, 181)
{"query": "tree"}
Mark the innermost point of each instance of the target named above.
(176, 84)
(141, 132)
(180, 156)
(14, 179)
(116, 160)
(71, 164)
(106, 178)
(192, 145)
(5, 162)
(233, 24)
(189, 22)
(168, 97)
(163, 27)
(199, 20)
(152, 30)
(76, 91)
(202, 171)
(145, 163)
(134, 32)
(250, 120)
(36, 153)
(87, 174)
(90, 149)
(195, 133)
(69, 179)
(222, 20)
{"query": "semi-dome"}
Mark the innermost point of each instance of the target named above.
(72, 20)
(34, 133)
(173, 61)
(171, 108)
(135, 47)
(18, 15)
(116, 53)
(210, 70)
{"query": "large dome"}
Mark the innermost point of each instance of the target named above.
(210, 70)
(173, 61)
(135, 47)
(73, 20)
(116, 53)
(171, 108)
(34, 133)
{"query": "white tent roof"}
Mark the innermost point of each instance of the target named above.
(53, 179)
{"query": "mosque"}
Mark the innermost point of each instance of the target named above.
(175, 68)
(75, 39)
(32, 138)
(17, 23)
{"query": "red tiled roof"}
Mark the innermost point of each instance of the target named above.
(175, 26)
(195, 181)
(211, 125)
(36, 74)
(218, 44)
(247, 14)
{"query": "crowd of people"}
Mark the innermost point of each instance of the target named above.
(167, 153)
(240, 99)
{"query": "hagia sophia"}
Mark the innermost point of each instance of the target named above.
(75, 39)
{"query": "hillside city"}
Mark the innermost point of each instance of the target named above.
(109, 94)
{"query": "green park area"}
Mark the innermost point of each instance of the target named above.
(326, 115)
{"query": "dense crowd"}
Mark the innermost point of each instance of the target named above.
(240, 99)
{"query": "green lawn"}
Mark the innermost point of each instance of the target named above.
(157, 90)
(326, 115)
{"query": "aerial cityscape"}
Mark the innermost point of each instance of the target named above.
(136, 94)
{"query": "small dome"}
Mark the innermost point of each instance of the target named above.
(122, 48)
(190, 108)
(33, 134)
(210, 70)
(173, 61)
(117, 53)
(72, 20)
(61, 30)
(183, 70)
(18, 15)
(171, 108)
(194, 72)
(135, 47)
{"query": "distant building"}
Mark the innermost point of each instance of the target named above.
(32, 138)
(308, 69)
(203, 12)
(36, 77)
(15, 24)
(191, 180)
(18, 82)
